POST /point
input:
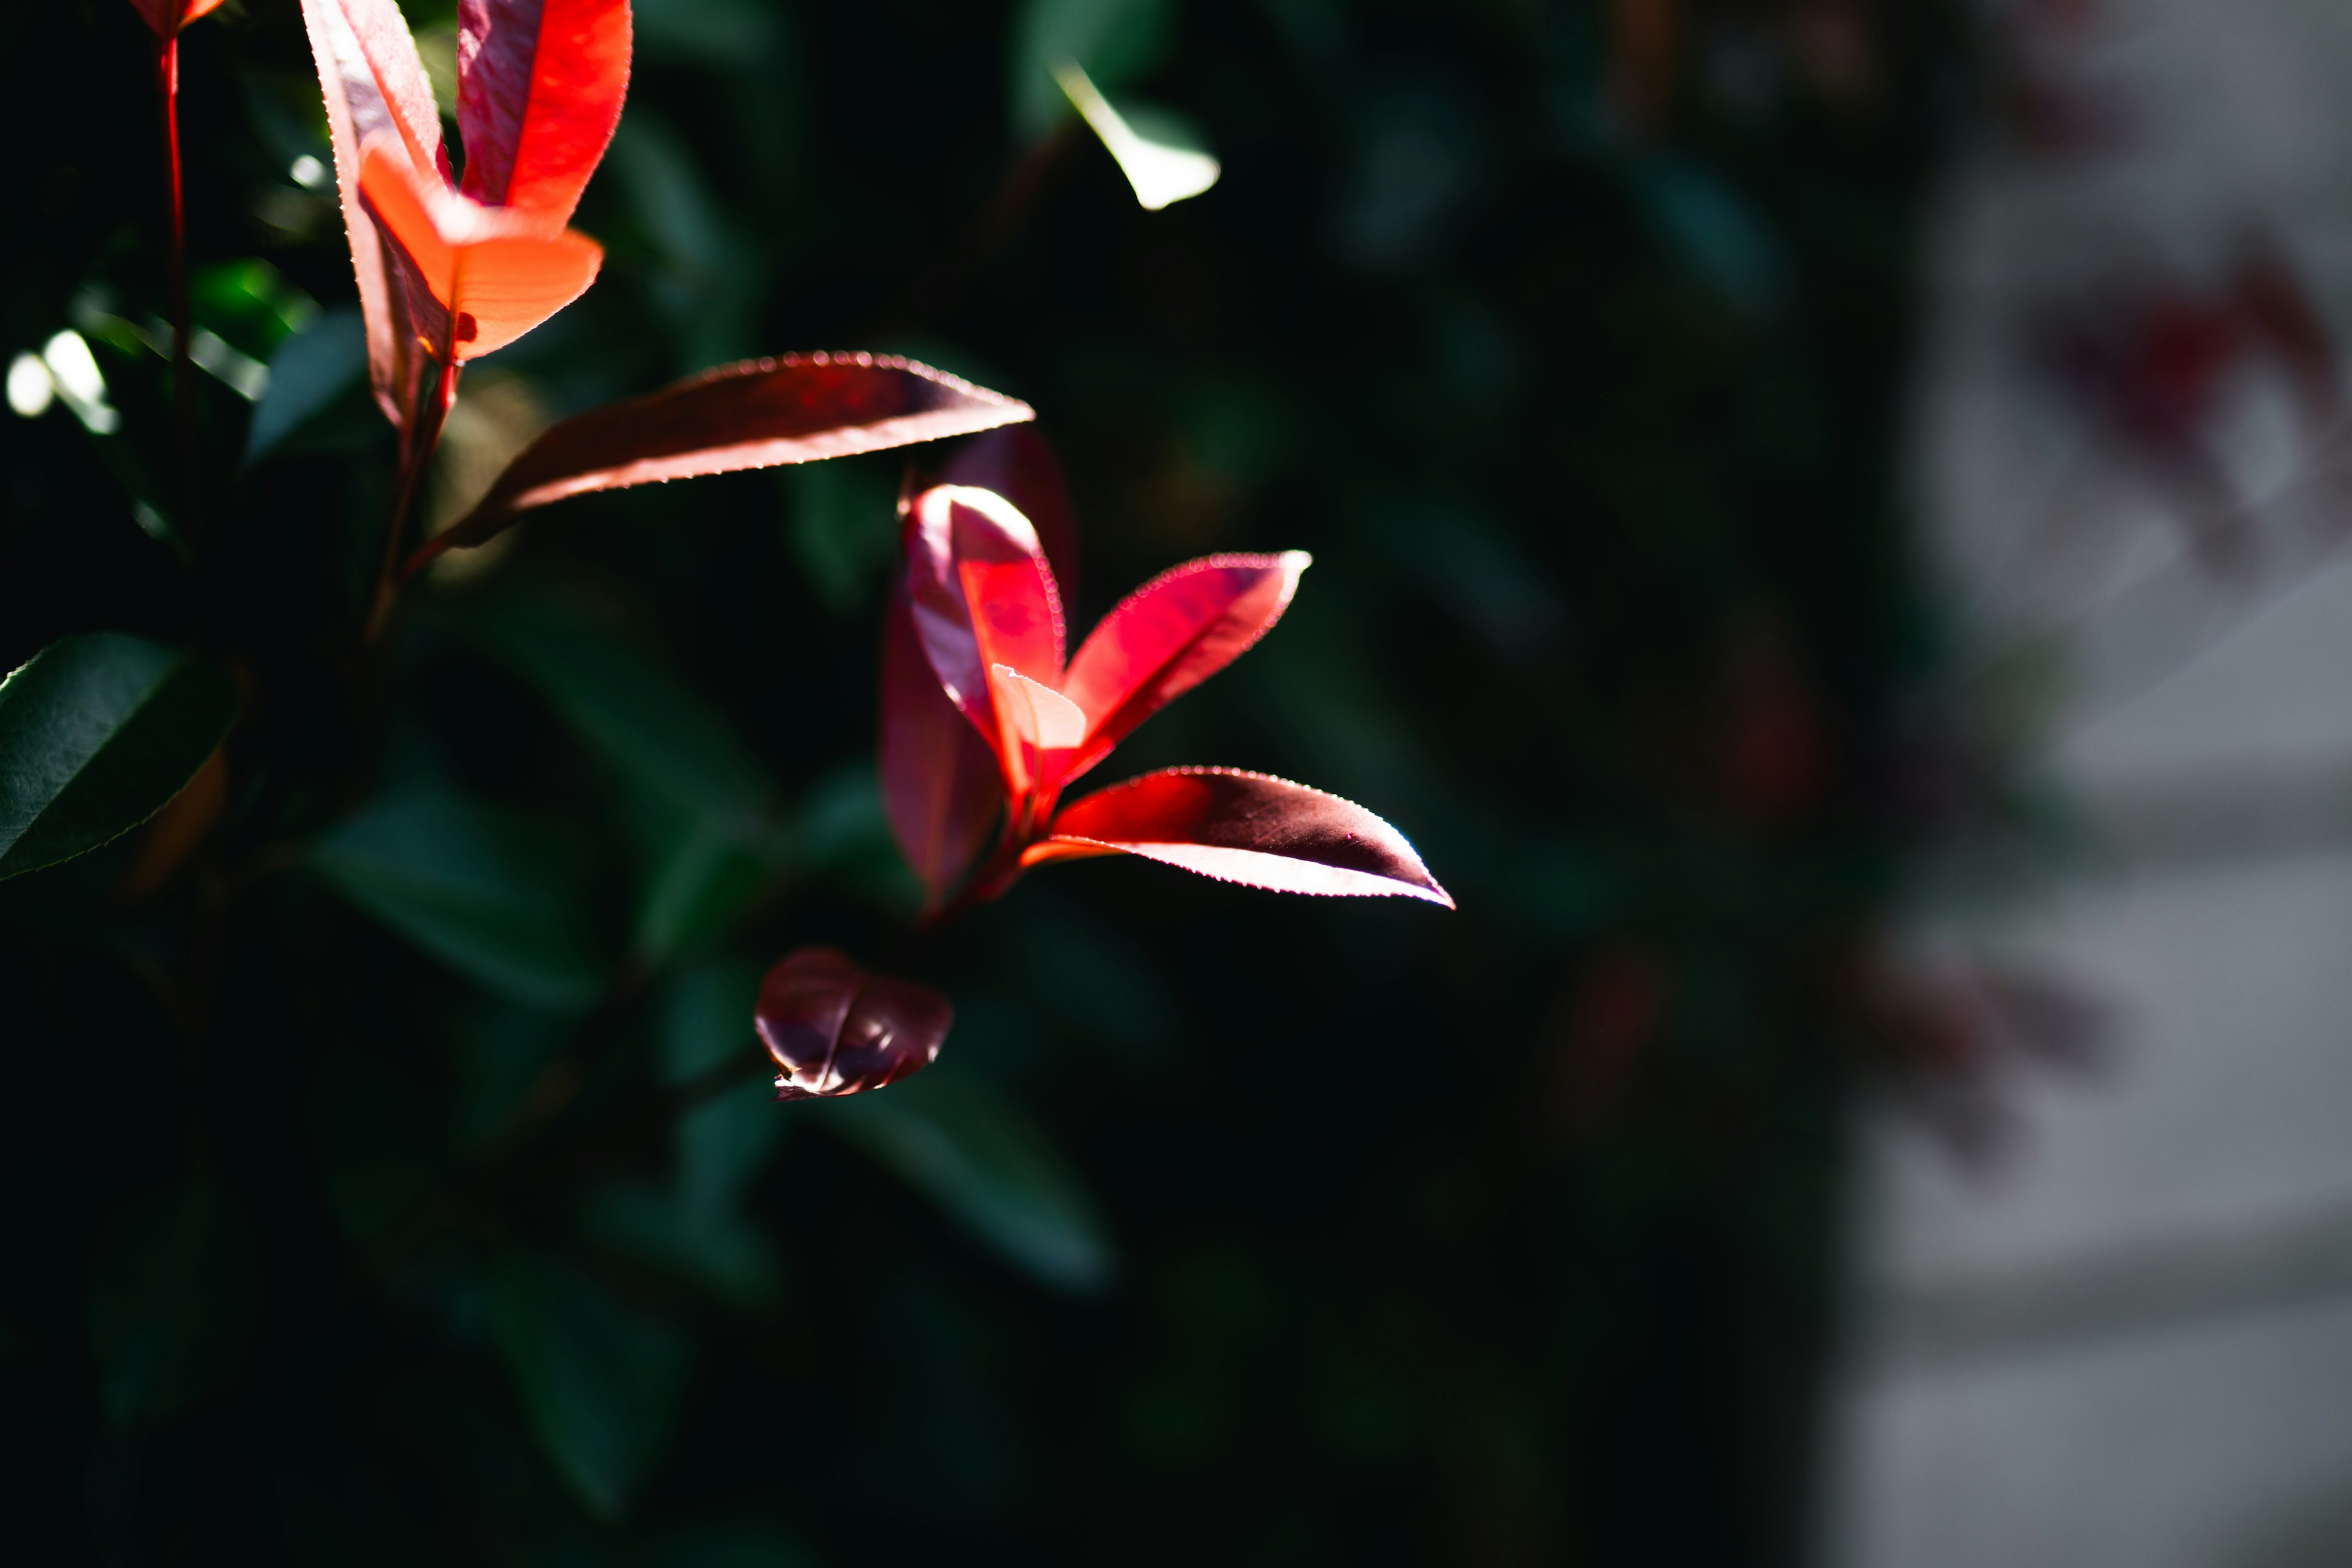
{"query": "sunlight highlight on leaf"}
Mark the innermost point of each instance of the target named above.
(1162, 160)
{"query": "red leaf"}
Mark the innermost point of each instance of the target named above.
(1170, 636)
(835, 1028)
(756, 414)
(500, 272)
(1016, 463)
(982, 596)
(168, 16)
(540, 85)
(939, 783)
(374, 86)
(1243, 828)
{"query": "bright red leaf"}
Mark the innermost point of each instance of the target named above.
(1243, 828)
(540, 85)
(168, 16)
(375, 87)
(982, 606)
(476, 278)
(792, 409)
(835, 1028)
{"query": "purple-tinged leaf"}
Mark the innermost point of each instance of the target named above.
(759, 414)
(1016, 463)
(835, 1028)
(1243, 828)
(939, 784)
(540, 85)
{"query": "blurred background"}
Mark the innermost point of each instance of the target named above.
(1824, 517)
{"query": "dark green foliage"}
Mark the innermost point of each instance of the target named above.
(396, 1182)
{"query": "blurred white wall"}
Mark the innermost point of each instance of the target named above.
(2128, 1341)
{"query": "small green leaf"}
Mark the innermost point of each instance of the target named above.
(309, 375)
(699, 875)
(97, 733)
(478, 890)
(164, 1309)
(716, 1253)
(1113, 41)
(989, 1167)
(601, 1379)
(1164, 158)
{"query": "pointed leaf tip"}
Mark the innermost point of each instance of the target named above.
(835, 1028)
(1252, 828)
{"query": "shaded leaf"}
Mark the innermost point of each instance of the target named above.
(540, 85)
(97, 733)
(309, 371)
(644, 719)
(940, 781)
(473, 889)
(837, 1029)
(794, 409)
(1243, 828)
(601, 1380)
(991, 1168)
(164, 1311)
(706, 1018)
(712, 1250)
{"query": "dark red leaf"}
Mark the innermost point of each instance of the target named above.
(1016, 463)
(375, 88)
(939, 784)
(540, 85)
(756, 414)
(1170, 636)
(1243, 828)
(836, 1028)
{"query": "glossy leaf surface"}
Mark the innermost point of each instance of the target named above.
(601, 1380)
(1161, 156)
(1244, 828)
(475, 888)
(374, 86)
(97, 733)
(1170, 636)
(475, 278)
(982, 596)
(540, 85)
(759, 414)
(993, 1169)
(939, 783)
(835, 1028)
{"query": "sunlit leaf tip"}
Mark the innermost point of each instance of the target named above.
(835, 1028)
(1240, 826)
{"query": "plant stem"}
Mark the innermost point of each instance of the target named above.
(183, 385)
(418, 459)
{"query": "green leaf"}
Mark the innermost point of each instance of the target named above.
(845, 528)
(989, 1167)
(165, 1324)
(699, 875)
(309, 375)
(97, 734)
(717, 1253)
(601, 1380)
(1113, 41)
(482, 892)
(729, 1543)
(653, 728)
(706, 1018)
(1164, 158)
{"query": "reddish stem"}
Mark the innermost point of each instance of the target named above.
(183, 385)
(418, 450)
